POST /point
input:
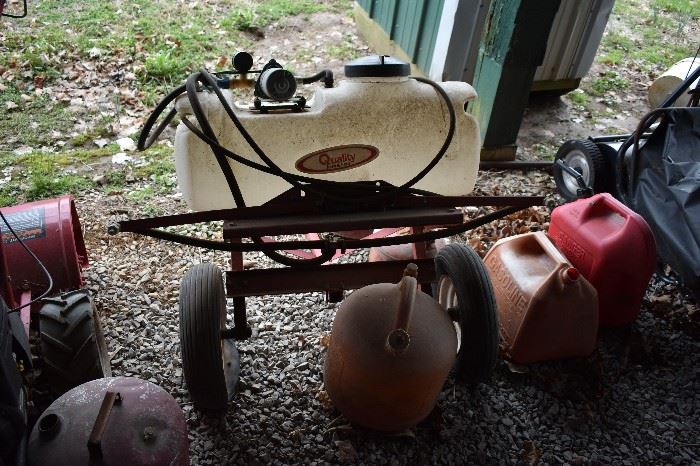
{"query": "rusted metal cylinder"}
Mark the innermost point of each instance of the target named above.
(111, 421)
(404, 251)
(391, 350)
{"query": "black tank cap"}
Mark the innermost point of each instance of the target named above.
(377, 66)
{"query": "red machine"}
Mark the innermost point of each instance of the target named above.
(613, 247)
(47, 344)
(52, 228)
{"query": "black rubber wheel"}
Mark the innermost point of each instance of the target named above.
(585, 157)
(464, 287)
(72, 343)
(202, 317)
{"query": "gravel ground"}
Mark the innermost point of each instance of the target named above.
(636, 400)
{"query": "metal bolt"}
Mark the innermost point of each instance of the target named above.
(149, 434)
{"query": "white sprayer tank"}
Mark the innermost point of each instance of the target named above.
(368, 128)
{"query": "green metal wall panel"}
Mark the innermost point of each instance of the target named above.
(412, 24)
(408, 25)
(385, 12)
(429, 30)
(366, 4)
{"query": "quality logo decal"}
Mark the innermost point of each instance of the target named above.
(337, 159)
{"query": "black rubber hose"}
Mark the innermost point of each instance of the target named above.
(249, 163)
(191, 87)
(326, 75)
(146, 139)
(41, 265)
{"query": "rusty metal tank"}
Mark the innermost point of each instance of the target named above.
(392, 348)
(111, 421)
(406, 251)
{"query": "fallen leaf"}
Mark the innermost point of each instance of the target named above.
(39, 81)
(10, 105)
(346, 452)
(325, 399)
(325, 340)
(531, 454)
(95, 52)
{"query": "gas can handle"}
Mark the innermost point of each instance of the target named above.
(398, 340)
(604, 199)
(549, 248)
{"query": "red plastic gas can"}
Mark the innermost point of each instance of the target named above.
(613, 247)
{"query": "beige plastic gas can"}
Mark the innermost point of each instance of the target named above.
(546, 309)
(365, 129)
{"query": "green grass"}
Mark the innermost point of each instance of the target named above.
(31, 122)
(39, 176)
(609, 81)
(544, 150)
(141, 194)
(258, 15)
(658, 37)
(43, 175)
(578, 97)
(159, 163)
(345, 50)
(683, 7)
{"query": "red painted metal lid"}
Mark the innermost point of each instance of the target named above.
(126, 420)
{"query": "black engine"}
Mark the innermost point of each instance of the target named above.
(13, 421)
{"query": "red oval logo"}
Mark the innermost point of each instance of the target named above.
(337, 159)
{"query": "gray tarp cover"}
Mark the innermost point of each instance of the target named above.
(666, 192)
